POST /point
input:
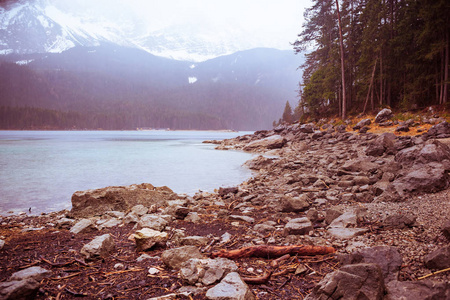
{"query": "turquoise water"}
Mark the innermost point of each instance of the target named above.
(42, 169)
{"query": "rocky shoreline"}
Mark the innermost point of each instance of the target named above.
(382, 201)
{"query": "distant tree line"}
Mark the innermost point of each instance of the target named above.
(395, 53)
(57, 99)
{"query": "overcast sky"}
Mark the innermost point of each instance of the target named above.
(279, 21)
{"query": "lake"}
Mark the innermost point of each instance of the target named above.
(42, 169)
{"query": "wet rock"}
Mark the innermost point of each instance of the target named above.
(384, 143)
(438, 259)
(352, 282)
(362, 123)
(206, 271)
(294, 204)
(258, 163)
(174, 258)
(271, 142)
(383, 115)
(412, 290)
(146, 238)
(298, 226)
(232, 287)
(155, 222)
(84, 225)
(22, 289)
(118, 198)
(388, 258)
(101, 246)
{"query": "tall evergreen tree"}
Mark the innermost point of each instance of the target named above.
(287, 114)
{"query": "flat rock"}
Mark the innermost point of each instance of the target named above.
(101, 246)
(232, 287)
(155, 222)
(194, 241)
(118, 198)
(346, 233)
(271, 142)
(243, 218)
(36, 273)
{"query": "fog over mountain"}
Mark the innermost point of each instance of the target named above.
(111, 65)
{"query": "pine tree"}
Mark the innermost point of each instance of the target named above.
(287, 114)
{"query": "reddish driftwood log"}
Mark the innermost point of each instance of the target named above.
(273, 251)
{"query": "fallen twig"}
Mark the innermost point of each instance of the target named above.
(75, 294)
(273, 251)
(434, 273)
(123, 271)
(258, 280)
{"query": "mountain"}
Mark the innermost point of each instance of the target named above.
(114, 87)
(64, 67)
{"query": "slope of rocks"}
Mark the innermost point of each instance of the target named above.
(382, 201)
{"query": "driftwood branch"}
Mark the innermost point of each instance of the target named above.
(258, 280)
(273, 251)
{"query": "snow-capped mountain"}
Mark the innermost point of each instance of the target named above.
(55, 26)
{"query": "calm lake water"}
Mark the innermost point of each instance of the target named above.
(42, 169)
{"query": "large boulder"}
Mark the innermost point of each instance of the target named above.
(441, 130)
(383, 115)
(351, 282)
(21, 289)
(382, 144)
(146, 238)
(438, 259)
(431, 151)
(271, 142)
(388, 258)
(258, 162)
(361, 124)
(118, 198)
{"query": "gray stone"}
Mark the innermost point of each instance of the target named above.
(145, 257)
(430, 178)
(383, 115)
(400, 221)
(174, 258)
(312, 214)
(360, 165)
(206, 271)
(113, 222)
(192, 217)
(139, 210)
(2, 244)
(36, 273)
(439, 130)
(349, 218)
(431, 151)
(362, 123)
(351, 282)
(65, 223)
(131, 218)
(22, 289)
(382, 144)
(264, 228)
(118, 198)
(154, 222)
(388, 258)
(232, 287)
(115, 214)
(146, 238)
(84, 225)
(306, 128)
(295, 204)
(331, 214)
(438, 259)
(298, 226)
(414, 290)
(101, 246)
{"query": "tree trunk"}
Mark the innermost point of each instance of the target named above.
(381, 78)
(273, 251)
(370, 86)
(341, 42)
